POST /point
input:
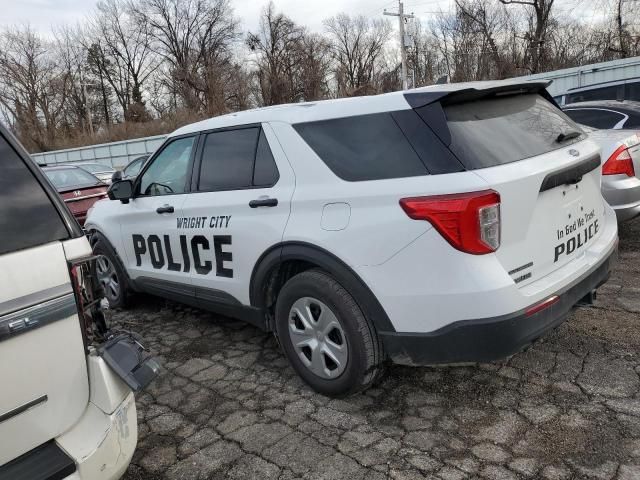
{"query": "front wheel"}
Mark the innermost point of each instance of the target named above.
(110, 274)
(325, 335)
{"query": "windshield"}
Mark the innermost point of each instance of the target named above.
(95, 167)
(71, 177)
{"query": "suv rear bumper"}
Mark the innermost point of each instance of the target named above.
(492, 338)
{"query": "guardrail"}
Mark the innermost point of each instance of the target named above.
(116, 154)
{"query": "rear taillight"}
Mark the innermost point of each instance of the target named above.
(619, 163)
(88, 293)
(470, 222)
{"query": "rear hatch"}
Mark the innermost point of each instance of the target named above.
(537, 159)
(43, 369)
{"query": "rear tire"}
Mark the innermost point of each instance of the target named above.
(325, 335)
(111, 274)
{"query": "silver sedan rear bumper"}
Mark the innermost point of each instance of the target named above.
(623, 194)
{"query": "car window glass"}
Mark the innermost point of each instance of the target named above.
(500, 130)
(363, 147)
(168, 172)
(632, 91)
(265, 172)
(71, 177)
(605, 93)
(227, 159)
(27, 216)
(133, 168)
(595, 118)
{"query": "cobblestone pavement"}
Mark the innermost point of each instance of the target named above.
(229, 406)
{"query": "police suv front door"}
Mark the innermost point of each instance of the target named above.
(238, 208)
(148, 222)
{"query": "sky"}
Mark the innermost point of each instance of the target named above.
(44, 15)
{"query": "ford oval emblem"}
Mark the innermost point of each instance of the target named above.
(574, 152)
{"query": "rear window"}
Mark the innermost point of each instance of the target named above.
(27, 216)
(613, 92)
(595, 117)
(70, 178)
(496, 131)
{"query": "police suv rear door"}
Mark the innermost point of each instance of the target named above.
(243, 185)
(43, 372)
(150, 235)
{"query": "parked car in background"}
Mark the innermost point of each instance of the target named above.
(620, 170)
(131, 170)
(103, 172)
(451, 223)
(624, 89)
(65, 412)
(606, 114)
(79, 188)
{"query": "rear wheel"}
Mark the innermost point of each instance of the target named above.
(325, 335)
(111, 274)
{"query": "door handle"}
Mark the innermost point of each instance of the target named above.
(263, 202)
(165, 209)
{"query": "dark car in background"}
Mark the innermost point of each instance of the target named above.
(605, 114)
(78, 188)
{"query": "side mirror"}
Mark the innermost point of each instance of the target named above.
(117, 176)
(121, 190)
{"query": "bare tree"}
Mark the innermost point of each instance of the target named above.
(124, 45)
(194, 38)
(277, 45)
(357, 44)
(291, 64)
(32, 87)
(536, 37)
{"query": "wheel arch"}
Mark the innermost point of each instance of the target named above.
(281, 261)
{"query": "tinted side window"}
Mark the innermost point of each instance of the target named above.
(27, 216)
(632, 91)
(265, 172)
(365, 147)
(613, 92)
(595, 118)
(633, 121)
(227, 159)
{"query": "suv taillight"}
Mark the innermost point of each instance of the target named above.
(619, 163)
(470, 222)
(88, 293)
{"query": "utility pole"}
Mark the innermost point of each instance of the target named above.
(403, 51)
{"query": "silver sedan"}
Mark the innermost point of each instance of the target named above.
(620, 170)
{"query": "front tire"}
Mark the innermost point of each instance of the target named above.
(325, 335)
(110, 273)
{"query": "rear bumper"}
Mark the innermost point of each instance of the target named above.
(492, 338)
(627, 212)
(623, 194)
(102, 444)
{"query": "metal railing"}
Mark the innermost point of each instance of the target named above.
(116, 154)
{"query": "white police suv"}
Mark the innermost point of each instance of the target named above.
(451, 223)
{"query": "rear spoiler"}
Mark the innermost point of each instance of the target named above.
(447, 97)
(428, 104)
